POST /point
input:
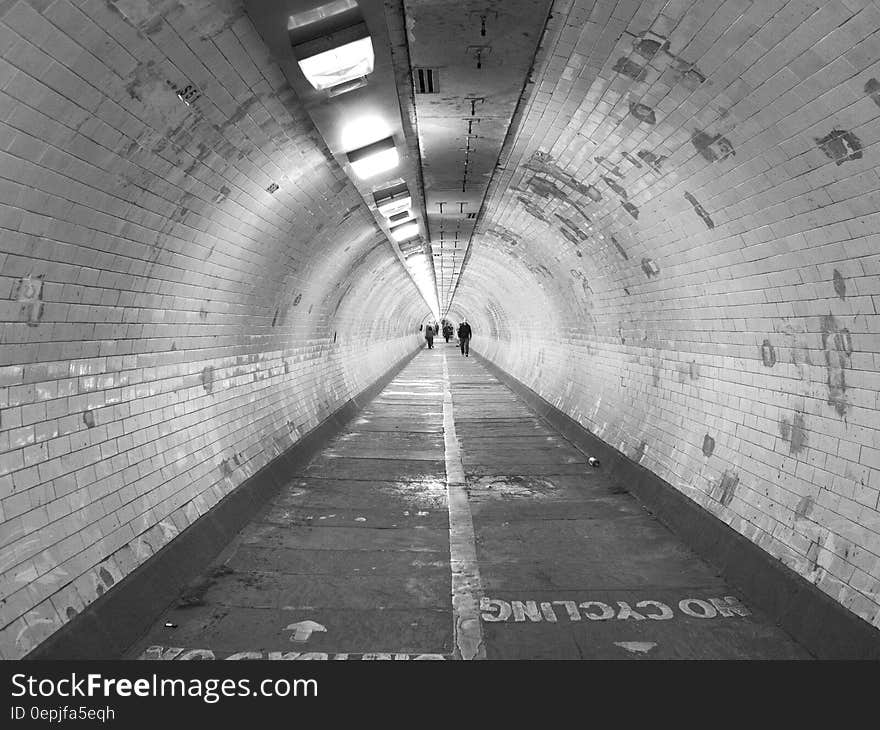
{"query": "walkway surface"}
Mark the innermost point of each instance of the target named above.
(449, 521)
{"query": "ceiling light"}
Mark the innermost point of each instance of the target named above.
(374, 158)
(336, 58)
(321, 13)
(412, 246)
(362, 129)
(400, 217)
(393, 204)
(347, 86)
(407, 230)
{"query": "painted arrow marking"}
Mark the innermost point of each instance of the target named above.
(636, 647)
(302, 630)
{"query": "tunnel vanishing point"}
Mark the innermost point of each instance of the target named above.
(225, 226)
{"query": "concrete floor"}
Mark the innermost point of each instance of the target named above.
(449, 521)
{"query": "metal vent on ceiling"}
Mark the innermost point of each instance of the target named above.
(427, 80)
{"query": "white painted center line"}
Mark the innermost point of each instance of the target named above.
(466, 585)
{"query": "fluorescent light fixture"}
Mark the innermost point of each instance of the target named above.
(407, 230)
(347, 86)
(393, 201)
(321, 13)
(411, 247)
(400, 217)
(395, 204)
(374, 158)
(336, 58)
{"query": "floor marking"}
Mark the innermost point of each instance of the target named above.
(466, 584)
(494, 610)
(176, 653)
(636, 647)
(302, 630)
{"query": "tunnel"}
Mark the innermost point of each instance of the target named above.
(227, 225)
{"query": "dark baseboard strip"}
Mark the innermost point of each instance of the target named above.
(109, 626)
(821, 624)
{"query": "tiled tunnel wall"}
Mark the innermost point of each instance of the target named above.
(170, 320)
(681, 252)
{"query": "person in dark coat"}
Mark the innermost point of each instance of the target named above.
(464, 337)
(447, 331)
(429, 336)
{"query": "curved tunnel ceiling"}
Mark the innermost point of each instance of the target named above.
(678, 248)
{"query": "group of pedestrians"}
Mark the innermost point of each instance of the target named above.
(464, 335)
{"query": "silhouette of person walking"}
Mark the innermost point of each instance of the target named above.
(429, 336)
(464, 337)
(447, 331)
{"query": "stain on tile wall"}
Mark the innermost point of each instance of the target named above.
(630, 208)
(28, 292)
(793, 432)
(872, 89)
(837, 347)
(708, 445)
(700, 210)
(642, 112)
(840, 145)
(650, 267)
(655, 161)
(839, 284)
(725, 489)
(630, 68)
(713, 148)
(620, 249)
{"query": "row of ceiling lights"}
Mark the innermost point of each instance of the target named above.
(338, 62)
